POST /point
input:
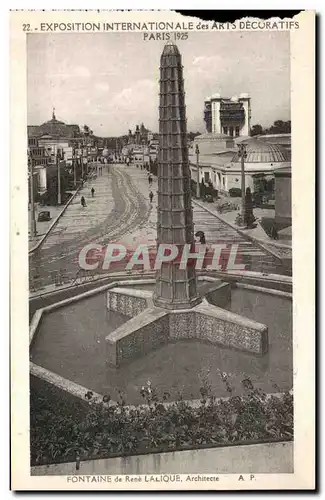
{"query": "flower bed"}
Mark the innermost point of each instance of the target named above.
(64, 429)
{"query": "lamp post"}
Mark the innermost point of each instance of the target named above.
(143, 154)
(82, 163)
(58, 164)
(242, 154)
(33, 220)
(87, 153)
(74, 159)
(197, 152)
(85, 148)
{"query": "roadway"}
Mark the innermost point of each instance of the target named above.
(121, 211)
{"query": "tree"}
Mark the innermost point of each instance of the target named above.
(249, 216)
(153, 166)
(191, 135)
(259, 183)
(257, 130)
(280, 127)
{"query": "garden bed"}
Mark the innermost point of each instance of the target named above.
(268, 222)
(64, 428)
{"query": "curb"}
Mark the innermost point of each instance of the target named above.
(265, 246)
(78, 391)
(259, 241)
(56, 220)
(49, 290)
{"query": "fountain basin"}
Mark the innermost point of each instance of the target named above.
(71, 341)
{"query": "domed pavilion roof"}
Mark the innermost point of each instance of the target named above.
(54, 128)
(213, 137)
(263, 152)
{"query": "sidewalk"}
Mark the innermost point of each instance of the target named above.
(77, 220)
(42, 227)
(281, 248)
(148, 233)
(258, 232)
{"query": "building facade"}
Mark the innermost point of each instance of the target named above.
(38, 161)
(229, 116)
(141, 135)
(50, 143)
(55, 135)
(223, 169)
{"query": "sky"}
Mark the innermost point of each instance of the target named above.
(109, 81)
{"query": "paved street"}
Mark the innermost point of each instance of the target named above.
(116, 209)
(121, 211)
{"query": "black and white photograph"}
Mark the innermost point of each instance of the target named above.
(159, 177)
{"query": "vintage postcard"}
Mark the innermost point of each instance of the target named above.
(162, 251)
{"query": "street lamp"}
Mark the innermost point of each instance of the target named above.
(82, 162)
(87, 153)
(85, 149)
(197, 152)
(33, 220)
(143, 153)
(74, 159)
(242, 154)
(58, 164)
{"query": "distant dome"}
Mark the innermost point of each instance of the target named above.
(56, 128)
(211, 143)
(213, 137)
(262, 152)
(234, 98)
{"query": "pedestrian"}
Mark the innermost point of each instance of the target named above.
(151, 196)
(92, 192)
(274, 233)
(83, 201)
(201, 237)
(149, 179)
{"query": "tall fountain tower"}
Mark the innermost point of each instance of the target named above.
(175, 288)
(175, 311)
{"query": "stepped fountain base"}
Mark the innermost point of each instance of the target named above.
(151, 327)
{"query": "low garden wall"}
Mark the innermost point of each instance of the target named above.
(67, 429)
